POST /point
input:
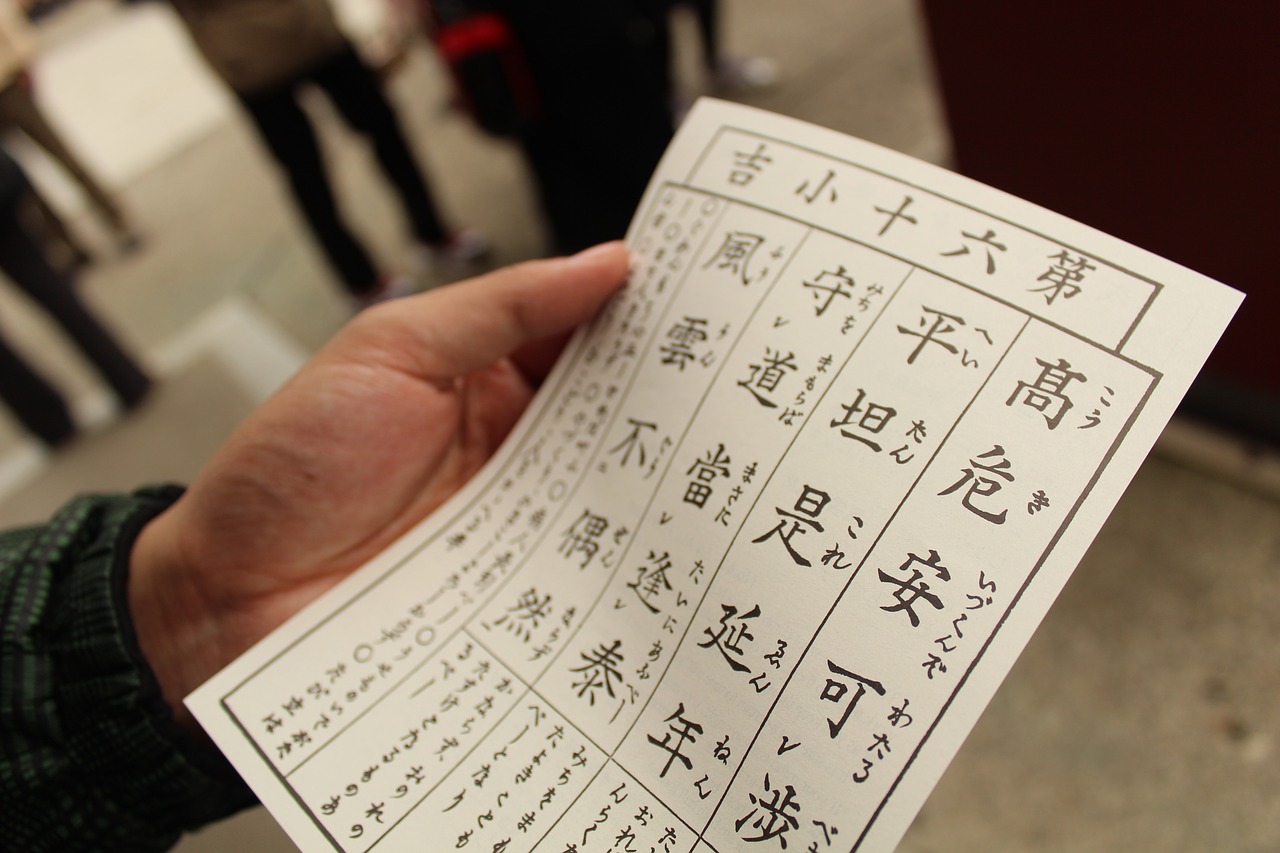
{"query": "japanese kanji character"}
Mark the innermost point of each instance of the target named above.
(684, 730)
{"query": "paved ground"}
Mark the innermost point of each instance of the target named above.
(1142, 715)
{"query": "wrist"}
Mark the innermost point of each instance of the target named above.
(175, 629)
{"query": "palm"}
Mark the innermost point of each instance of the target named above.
(290, 511)
(376, 431)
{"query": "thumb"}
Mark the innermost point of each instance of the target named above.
(462, 327)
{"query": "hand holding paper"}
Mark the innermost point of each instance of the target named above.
(380, 428)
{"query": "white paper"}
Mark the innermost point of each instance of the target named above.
(766, 543)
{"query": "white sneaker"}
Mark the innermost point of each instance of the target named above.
(741, 73)
(388, 287)
(463, 247)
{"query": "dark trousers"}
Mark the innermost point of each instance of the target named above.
(35, 402)
(18, 107)
(705, 12)
(357, 94)
(601, 71)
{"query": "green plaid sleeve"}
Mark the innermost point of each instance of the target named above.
(90, 755)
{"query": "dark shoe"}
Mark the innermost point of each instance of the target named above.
(128, 242)
(60, 439)
(133, 396)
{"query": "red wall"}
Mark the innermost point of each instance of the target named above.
(1156, 122)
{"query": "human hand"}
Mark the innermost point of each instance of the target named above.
(376, 431)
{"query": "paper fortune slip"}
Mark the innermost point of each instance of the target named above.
(766, 542)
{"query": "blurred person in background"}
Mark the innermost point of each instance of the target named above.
(19, 108)
(728, 73)
(267, 51)
(33, 400)
(588, 100)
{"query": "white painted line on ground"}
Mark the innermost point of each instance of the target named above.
(256, 355)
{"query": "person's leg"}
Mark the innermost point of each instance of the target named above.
(33, 401)
(54, 230)
(708, 32)
(288, 135)
(357, 94)
(20, 108)
(728, 72)
(591, 166)
(23, 262)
